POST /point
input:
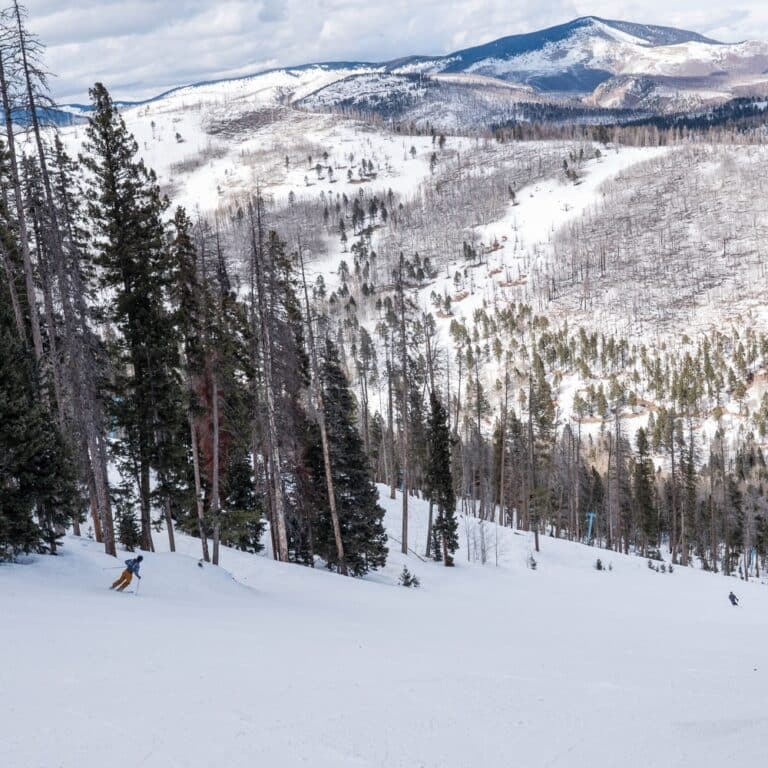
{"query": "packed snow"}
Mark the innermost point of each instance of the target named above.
(258, 662)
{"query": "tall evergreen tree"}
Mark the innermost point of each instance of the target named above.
(125, 206)
(192, 305)
(360, 516)
(86, 366)
(643, 492)
(439, 481)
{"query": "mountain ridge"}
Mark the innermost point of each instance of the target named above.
(653, 35)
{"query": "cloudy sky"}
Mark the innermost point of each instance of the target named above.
(141, 47)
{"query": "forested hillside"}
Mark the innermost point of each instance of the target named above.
(552, 331)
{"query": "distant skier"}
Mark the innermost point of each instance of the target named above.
(734, 600)
(131, 569)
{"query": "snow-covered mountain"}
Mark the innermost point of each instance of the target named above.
(575, 56)
(591, 61)
(593, 43)
(581, 57)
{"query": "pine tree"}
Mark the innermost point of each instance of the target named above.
(128, 533)
(242, 524)
(360, 516)
(86, 364)
(643, 492)
(192, 305)
(126, 207)
(438, 480)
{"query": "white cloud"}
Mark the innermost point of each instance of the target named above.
(139, 47)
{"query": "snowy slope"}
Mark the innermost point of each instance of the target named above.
(449, 102)
(207, 153)
(284, 666)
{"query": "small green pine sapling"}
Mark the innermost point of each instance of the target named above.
(407, 579)
(128, 533)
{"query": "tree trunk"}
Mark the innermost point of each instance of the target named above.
(532, 459)
(266, 348)
(673, 535)
(608, 500)
(146, 517)
(169, 523)
(94, 504)
(501, 517)
(363, 405)
(318, 387)
(215, 497)
(619, 521)
(391, 429)
(98, 453)
(429, 531)
(21, 216)
(53, 345)
(404, 436)
(198, 489)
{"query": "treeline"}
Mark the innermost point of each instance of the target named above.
(731, 123)
(740, 120)
(742, 115)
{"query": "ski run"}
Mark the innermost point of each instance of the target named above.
(258, 662)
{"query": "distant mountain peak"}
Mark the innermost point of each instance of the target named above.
(528, 42)
(653, 34)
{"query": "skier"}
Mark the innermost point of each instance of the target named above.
(131, 568)
(734, 600)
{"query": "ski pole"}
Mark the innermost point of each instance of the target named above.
(138, 584)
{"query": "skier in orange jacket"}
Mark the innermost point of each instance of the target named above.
(132, 567)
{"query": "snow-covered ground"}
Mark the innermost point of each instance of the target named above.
(279, 665)
(547, 205)
(209, 154)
